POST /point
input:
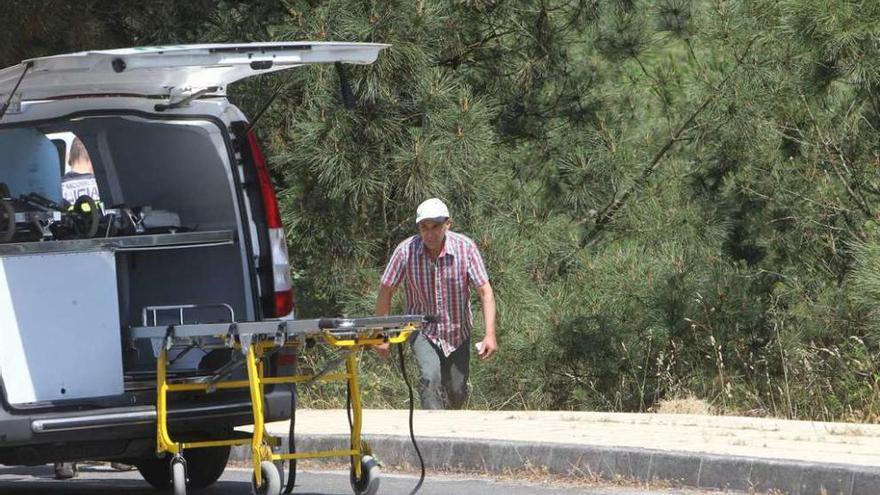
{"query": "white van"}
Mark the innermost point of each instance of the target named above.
(181, 225)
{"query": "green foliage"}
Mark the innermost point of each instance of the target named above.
(673, 198)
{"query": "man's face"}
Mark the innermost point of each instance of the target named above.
(433, 232)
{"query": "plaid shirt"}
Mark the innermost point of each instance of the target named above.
(440, 287)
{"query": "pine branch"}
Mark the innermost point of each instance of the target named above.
(457, 59)
(834, 154)
(607, 215)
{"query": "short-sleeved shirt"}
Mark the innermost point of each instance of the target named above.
(440, 287)
(74, 185)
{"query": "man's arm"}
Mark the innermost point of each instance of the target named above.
(383, 307)
(487, 302)
(391, 278)
(383, 302)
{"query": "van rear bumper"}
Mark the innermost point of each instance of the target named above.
(127, 426)
(143, 415)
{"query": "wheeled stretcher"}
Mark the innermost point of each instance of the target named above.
(257, 341)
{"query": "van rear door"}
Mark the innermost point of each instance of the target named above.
(170, 70)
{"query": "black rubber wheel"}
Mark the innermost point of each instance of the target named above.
(204, 466)
(178, 477)
(89, 217)
(368, 484)
(7, 221)
(155, 471)
(271, 480)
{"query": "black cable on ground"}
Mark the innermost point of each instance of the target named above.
(291, 444)
(412, 434)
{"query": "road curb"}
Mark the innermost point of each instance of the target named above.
(644, 465)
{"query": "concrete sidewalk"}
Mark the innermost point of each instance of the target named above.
(795, 457)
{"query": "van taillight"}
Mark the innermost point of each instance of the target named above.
(277, 241)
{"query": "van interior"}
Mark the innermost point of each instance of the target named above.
(172, 174)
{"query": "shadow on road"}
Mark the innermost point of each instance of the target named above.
(102, 480)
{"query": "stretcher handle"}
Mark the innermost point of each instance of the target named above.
(375, 321)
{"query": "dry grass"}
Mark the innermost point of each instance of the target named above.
(847, 431)
(689, 405)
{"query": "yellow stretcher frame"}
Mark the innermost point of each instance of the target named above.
(260, 441)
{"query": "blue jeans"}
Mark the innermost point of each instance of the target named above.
(443, 382)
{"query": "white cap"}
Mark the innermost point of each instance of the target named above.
(433, 209)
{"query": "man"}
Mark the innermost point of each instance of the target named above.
(439, 268)
(80, 178)
(79, 181)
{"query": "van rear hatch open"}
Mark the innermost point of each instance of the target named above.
(170, 70)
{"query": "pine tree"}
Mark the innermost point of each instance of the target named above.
(673, 198)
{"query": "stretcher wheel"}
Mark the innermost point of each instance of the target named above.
(203, 467)
(178, 476)
(368, 484)
(7, 221)
(271, 480)
(279, 466)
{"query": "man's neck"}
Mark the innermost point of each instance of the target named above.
(436, 254)
(80, 169)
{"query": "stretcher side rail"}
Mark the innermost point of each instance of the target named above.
(271, 328)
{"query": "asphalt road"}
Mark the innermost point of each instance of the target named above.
(101, 480)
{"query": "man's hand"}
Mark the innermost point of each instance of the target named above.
(383, 350)
(383, 306)
(488, 346)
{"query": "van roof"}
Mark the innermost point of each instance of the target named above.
(170, 70)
